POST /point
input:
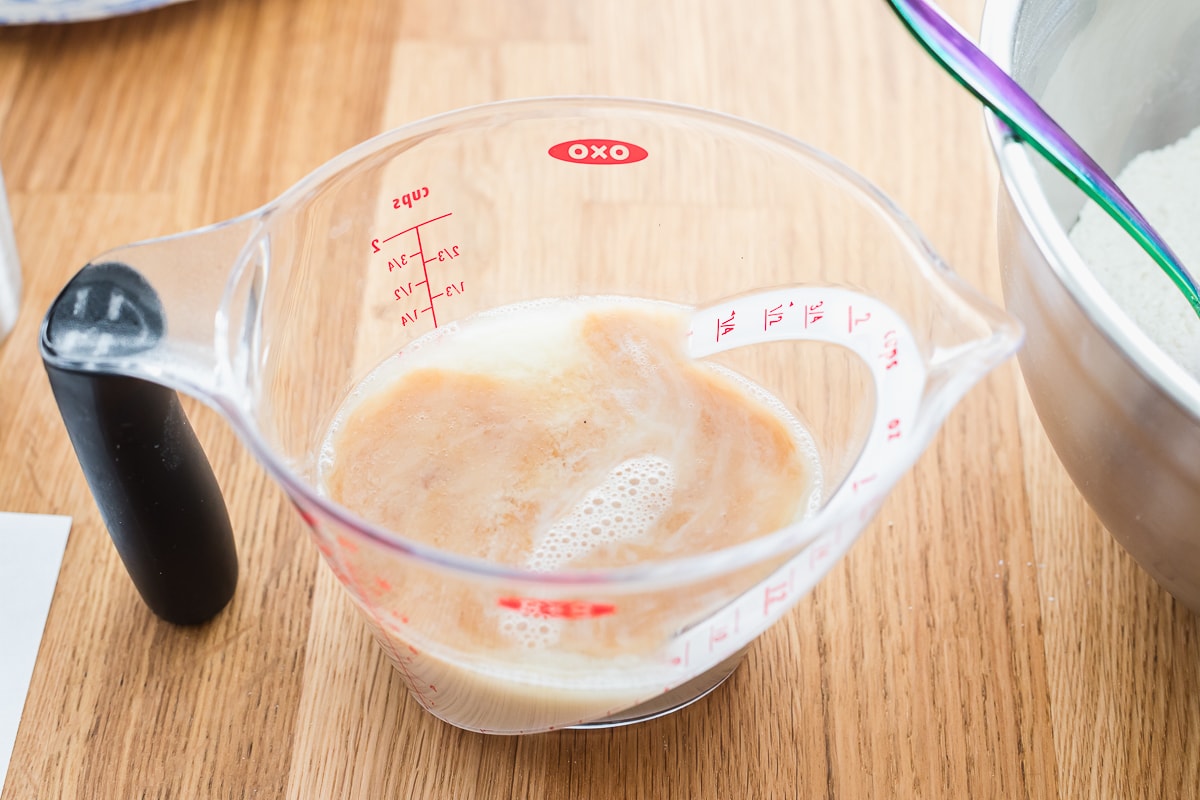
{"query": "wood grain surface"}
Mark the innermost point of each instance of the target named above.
(985, 638)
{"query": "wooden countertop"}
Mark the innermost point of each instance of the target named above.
(985, 638)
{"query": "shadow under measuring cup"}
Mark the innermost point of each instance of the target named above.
(790, 276)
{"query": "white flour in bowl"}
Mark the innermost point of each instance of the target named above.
(1165, 186)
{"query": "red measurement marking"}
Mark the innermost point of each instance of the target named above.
(682, 661)
(891, 350)
(774, 594)
(401, 663)
(347, 544)
(861, 482)
(853, 321)
(415, 227)
(819, 555)
(307, 517)
(814, 313)
(425, 272)
(725, 326)
(716, 635)
(405, 291)
(556, 609)
(773, 316)
(893, 430)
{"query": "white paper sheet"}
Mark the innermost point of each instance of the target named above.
(31, 551)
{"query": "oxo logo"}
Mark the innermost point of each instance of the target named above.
(598, 151)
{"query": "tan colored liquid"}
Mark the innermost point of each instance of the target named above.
(562, 435)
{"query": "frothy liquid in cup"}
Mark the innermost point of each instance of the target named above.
(550, 436)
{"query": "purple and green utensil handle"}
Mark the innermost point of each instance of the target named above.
(1029, 123)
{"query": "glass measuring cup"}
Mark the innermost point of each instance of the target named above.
(276, 318)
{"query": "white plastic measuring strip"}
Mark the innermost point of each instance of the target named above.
(882, 339)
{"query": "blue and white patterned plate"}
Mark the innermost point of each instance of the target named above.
(28, 12)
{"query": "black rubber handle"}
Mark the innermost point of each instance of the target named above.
(151, 480)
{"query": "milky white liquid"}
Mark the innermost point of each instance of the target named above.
(558, 435)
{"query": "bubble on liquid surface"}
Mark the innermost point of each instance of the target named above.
(530, 632)
(626, 506)
(629, 502)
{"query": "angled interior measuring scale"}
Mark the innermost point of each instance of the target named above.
(1030, 123)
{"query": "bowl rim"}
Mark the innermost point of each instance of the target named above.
(1019, 180)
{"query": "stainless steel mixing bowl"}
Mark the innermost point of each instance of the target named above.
(1122, 76)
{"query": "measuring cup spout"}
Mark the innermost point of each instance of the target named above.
(127, 331)
(970, 337)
